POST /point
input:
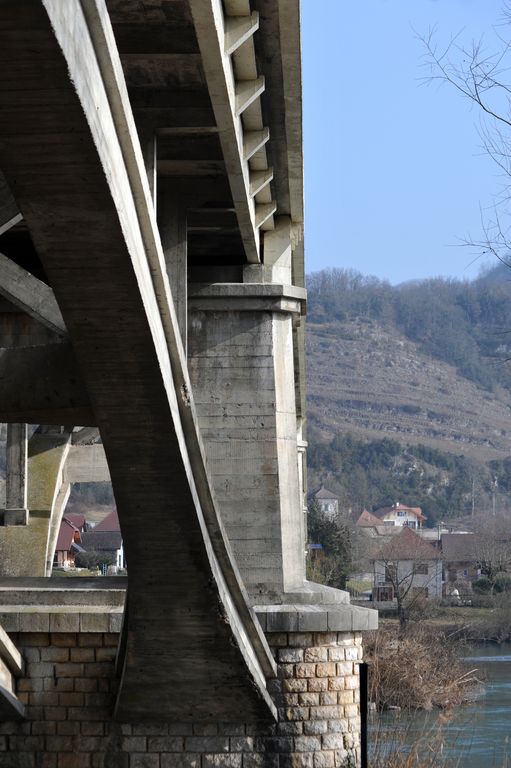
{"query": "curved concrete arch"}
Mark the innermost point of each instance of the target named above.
(194, 648)
(25, 550)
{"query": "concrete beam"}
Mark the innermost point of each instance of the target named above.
(238, 30)
(173, 233)
(87, 464)
(9, 213)
(247, 91)
(42, 385)
(259, 180)
(16, 512)
(252, 143)
(31, 295)
(228, 104)
(85, 435)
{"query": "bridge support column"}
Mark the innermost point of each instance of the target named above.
(242, 374)
(16, 512)
(172, 223)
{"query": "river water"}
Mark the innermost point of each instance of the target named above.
(477, 735)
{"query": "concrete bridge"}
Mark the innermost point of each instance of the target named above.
(151, 269)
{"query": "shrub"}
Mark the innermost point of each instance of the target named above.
(419, 670)
(482, 586)
(503, 583)
(94, 559)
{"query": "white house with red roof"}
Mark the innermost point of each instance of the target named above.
(400, 514)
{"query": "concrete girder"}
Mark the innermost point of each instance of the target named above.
(30, 294)
(232, 99)
(9, 212)
(111, 284)
(238, 30)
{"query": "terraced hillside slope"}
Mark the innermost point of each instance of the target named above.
(425, 365)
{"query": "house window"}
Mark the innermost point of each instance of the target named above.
(421, 569)
(401, 513)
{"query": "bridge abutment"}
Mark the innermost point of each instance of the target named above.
(69, 688)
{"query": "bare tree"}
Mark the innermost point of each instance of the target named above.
(411, 567)
(484, 78)
(493, 546)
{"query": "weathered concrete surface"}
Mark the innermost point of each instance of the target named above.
(42, 385)
(16, 512)
(241, 365)
(31, 295)
(101, 252)
(87, 464)
(9, 212)
(24, 550)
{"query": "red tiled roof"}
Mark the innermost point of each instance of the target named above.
(407, 545)
(110, 523)
(367, 520)
(383, 511)
(66, 535)
(77, 520)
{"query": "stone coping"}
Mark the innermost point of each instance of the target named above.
(310, 593)
(316, 618)
(247, 297)
(63, 583)
(97, 605)
(69, 618)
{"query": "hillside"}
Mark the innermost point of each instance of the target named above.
(424, 364)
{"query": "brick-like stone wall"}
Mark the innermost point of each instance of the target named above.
(69, 692)
(318, 697)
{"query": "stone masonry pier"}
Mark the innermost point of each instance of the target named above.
(69, 642)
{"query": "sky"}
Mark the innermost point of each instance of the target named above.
(395, 176)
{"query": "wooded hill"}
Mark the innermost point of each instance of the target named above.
(410, 390)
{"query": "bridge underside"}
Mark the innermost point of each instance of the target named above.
(60, 153)
(151, 269)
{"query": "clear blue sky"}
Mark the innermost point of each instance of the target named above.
(394, 172)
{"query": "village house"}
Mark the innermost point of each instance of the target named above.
(106, 538)
(69, 541)
(401, 515)
(406, 564)
(460, 556)
(327, 501)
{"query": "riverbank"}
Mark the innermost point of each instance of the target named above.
(472, 736)
(485, 619)
(416, 668)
